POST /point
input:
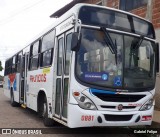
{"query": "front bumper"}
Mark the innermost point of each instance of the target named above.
(78, 117)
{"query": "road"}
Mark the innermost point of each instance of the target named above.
(17, 117)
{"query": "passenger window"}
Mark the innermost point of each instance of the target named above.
(19, 56)
(14, 64)
(34, 62)
(48, 41)
(35, 48)
(46, 58)
(34, 56)
(47, 49)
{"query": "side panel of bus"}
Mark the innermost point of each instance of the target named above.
(12, 78)
(11, 82)
(40, 73)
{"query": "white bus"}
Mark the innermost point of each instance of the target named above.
(95, 67)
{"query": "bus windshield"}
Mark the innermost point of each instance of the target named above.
(115, 20)
(132, 67)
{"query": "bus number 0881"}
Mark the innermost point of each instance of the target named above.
(87, 118)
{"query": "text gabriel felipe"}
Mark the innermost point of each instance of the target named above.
(145, 131)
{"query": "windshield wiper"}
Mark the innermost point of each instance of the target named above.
(138, 44)
(134, 46)
(109, 41)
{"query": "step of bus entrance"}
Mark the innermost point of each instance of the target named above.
(23, 106)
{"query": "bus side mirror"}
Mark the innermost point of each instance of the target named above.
(157, 57)
(75, 43)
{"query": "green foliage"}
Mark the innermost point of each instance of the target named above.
(1, 68)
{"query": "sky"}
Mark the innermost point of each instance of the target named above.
(22, 20)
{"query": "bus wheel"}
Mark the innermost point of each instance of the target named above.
(47, 121)
(13, 103)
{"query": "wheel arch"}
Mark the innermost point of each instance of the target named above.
(41, 95)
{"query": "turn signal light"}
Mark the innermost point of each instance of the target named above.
(76, 94)
(146, 118)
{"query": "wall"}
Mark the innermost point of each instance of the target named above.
(92, 1)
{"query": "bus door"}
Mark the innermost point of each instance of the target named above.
(62, 75)
(23, 78)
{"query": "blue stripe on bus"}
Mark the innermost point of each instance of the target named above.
(92, 90)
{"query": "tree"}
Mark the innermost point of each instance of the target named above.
(1, 68)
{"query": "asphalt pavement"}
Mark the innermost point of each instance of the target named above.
(17, 117)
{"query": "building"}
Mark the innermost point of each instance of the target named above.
(149, 9)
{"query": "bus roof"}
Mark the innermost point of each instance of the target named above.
(73, 11)
(71, 5)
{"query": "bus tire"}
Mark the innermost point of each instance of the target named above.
(47, 121)
(13, 103)
(40, 109)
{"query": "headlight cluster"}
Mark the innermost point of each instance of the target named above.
(147, 105)
(84, 102)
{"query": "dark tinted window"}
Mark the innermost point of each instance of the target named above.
(48, 41)
(35, 48)
(65, 98)
(128, 5)
(58, 97)
(59, 57)
(47, 49)
(115, 20)
(14, 64)
(34, 62)
(46, 58)
(19, 56)
(34, 56)
(67, 53)
(8, 66)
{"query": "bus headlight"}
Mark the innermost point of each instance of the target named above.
(147, 105)
(84, 102)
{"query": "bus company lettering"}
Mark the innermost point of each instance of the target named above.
(38, 78)
(136, 105)
(67, 24)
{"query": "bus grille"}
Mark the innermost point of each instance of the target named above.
(118, 97)
(117, 117)
(113, 107)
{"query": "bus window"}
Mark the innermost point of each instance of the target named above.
(58, 95)
(46, 58)
(10, 66)
(59, 57)
(14, 64)
(67, 53)
(48, 41)
(34, 56)
(47, 49)
(19, 56)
